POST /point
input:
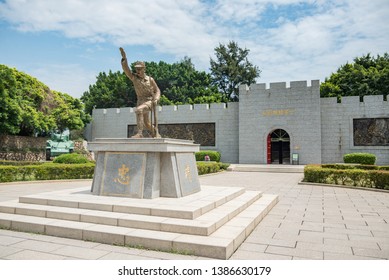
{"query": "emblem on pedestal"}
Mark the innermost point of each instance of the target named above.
(123, 179)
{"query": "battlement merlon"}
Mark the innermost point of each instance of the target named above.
(295, 86)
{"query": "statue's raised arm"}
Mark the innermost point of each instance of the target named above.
(123, 53)
(125, 67)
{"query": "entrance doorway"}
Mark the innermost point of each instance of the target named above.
(278, 147)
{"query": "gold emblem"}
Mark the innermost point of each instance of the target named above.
(123, 179)
(188, 174)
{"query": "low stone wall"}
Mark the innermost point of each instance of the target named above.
(22, 148)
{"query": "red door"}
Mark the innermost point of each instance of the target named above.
(269, 148)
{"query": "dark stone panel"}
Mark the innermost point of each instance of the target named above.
(201, 133)
(371, 132)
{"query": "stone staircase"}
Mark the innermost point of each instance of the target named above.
(211, 223)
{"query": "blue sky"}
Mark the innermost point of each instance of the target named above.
(66, 43)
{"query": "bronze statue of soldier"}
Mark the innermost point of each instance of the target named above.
(148, 95)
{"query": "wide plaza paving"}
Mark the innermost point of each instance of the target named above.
(309, 222)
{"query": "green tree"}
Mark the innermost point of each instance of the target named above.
(232, 68)
(367, 75)
(181, 83)
(29, 107)
(69, 113)
(10, 110)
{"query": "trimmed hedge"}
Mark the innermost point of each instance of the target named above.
(349, 175)
(72, 158)
(17, 163)
(213, 155)
(48, 171)
(355, 166)
(210, 167)
(360, 158)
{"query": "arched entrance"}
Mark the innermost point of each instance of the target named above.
(278, 147)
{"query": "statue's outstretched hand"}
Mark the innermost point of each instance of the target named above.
(123, 53)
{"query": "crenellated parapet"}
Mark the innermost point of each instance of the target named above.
(169, 109)
(281, 88)
(367, 100)
(296, 91)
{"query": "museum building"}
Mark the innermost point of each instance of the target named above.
(275, 124)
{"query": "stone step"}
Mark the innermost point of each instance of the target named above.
(220, 244)
(203, 225)
(274, 168)
(189, 207)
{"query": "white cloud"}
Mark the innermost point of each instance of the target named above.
(309, 45)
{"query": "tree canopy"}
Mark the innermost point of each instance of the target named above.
(29, 107)
(366, 75)
(180, 83)
(232, 68)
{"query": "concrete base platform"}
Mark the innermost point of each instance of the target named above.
(211, 223)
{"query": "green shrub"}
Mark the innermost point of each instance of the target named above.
(367, 178)
(339, 176)
(360, 158)
(224, 166)
(338, 166)
(352, 166)
(48, 171)
(380, 179)
(368, 167)
(210, 167)
(8, 173)
(316, 174)
(355, 176)
(71, 159)
(17, 162)
(64, 171)
(213, 155)
(207, 167)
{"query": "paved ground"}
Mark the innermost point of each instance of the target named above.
(309, 222)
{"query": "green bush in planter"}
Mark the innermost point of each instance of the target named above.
(380, 179)
(207, 167)
(316, 174)
(360, 158)
(48, 171)
(72, 158)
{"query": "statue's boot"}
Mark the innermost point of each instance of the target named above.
(140, 125)
(156, 133)
(139, 134)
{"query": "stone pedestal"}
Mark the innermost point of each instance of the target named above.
(145, 167)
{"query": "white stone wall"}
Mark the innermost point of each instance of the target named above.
(320, 129)
(337, 126)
